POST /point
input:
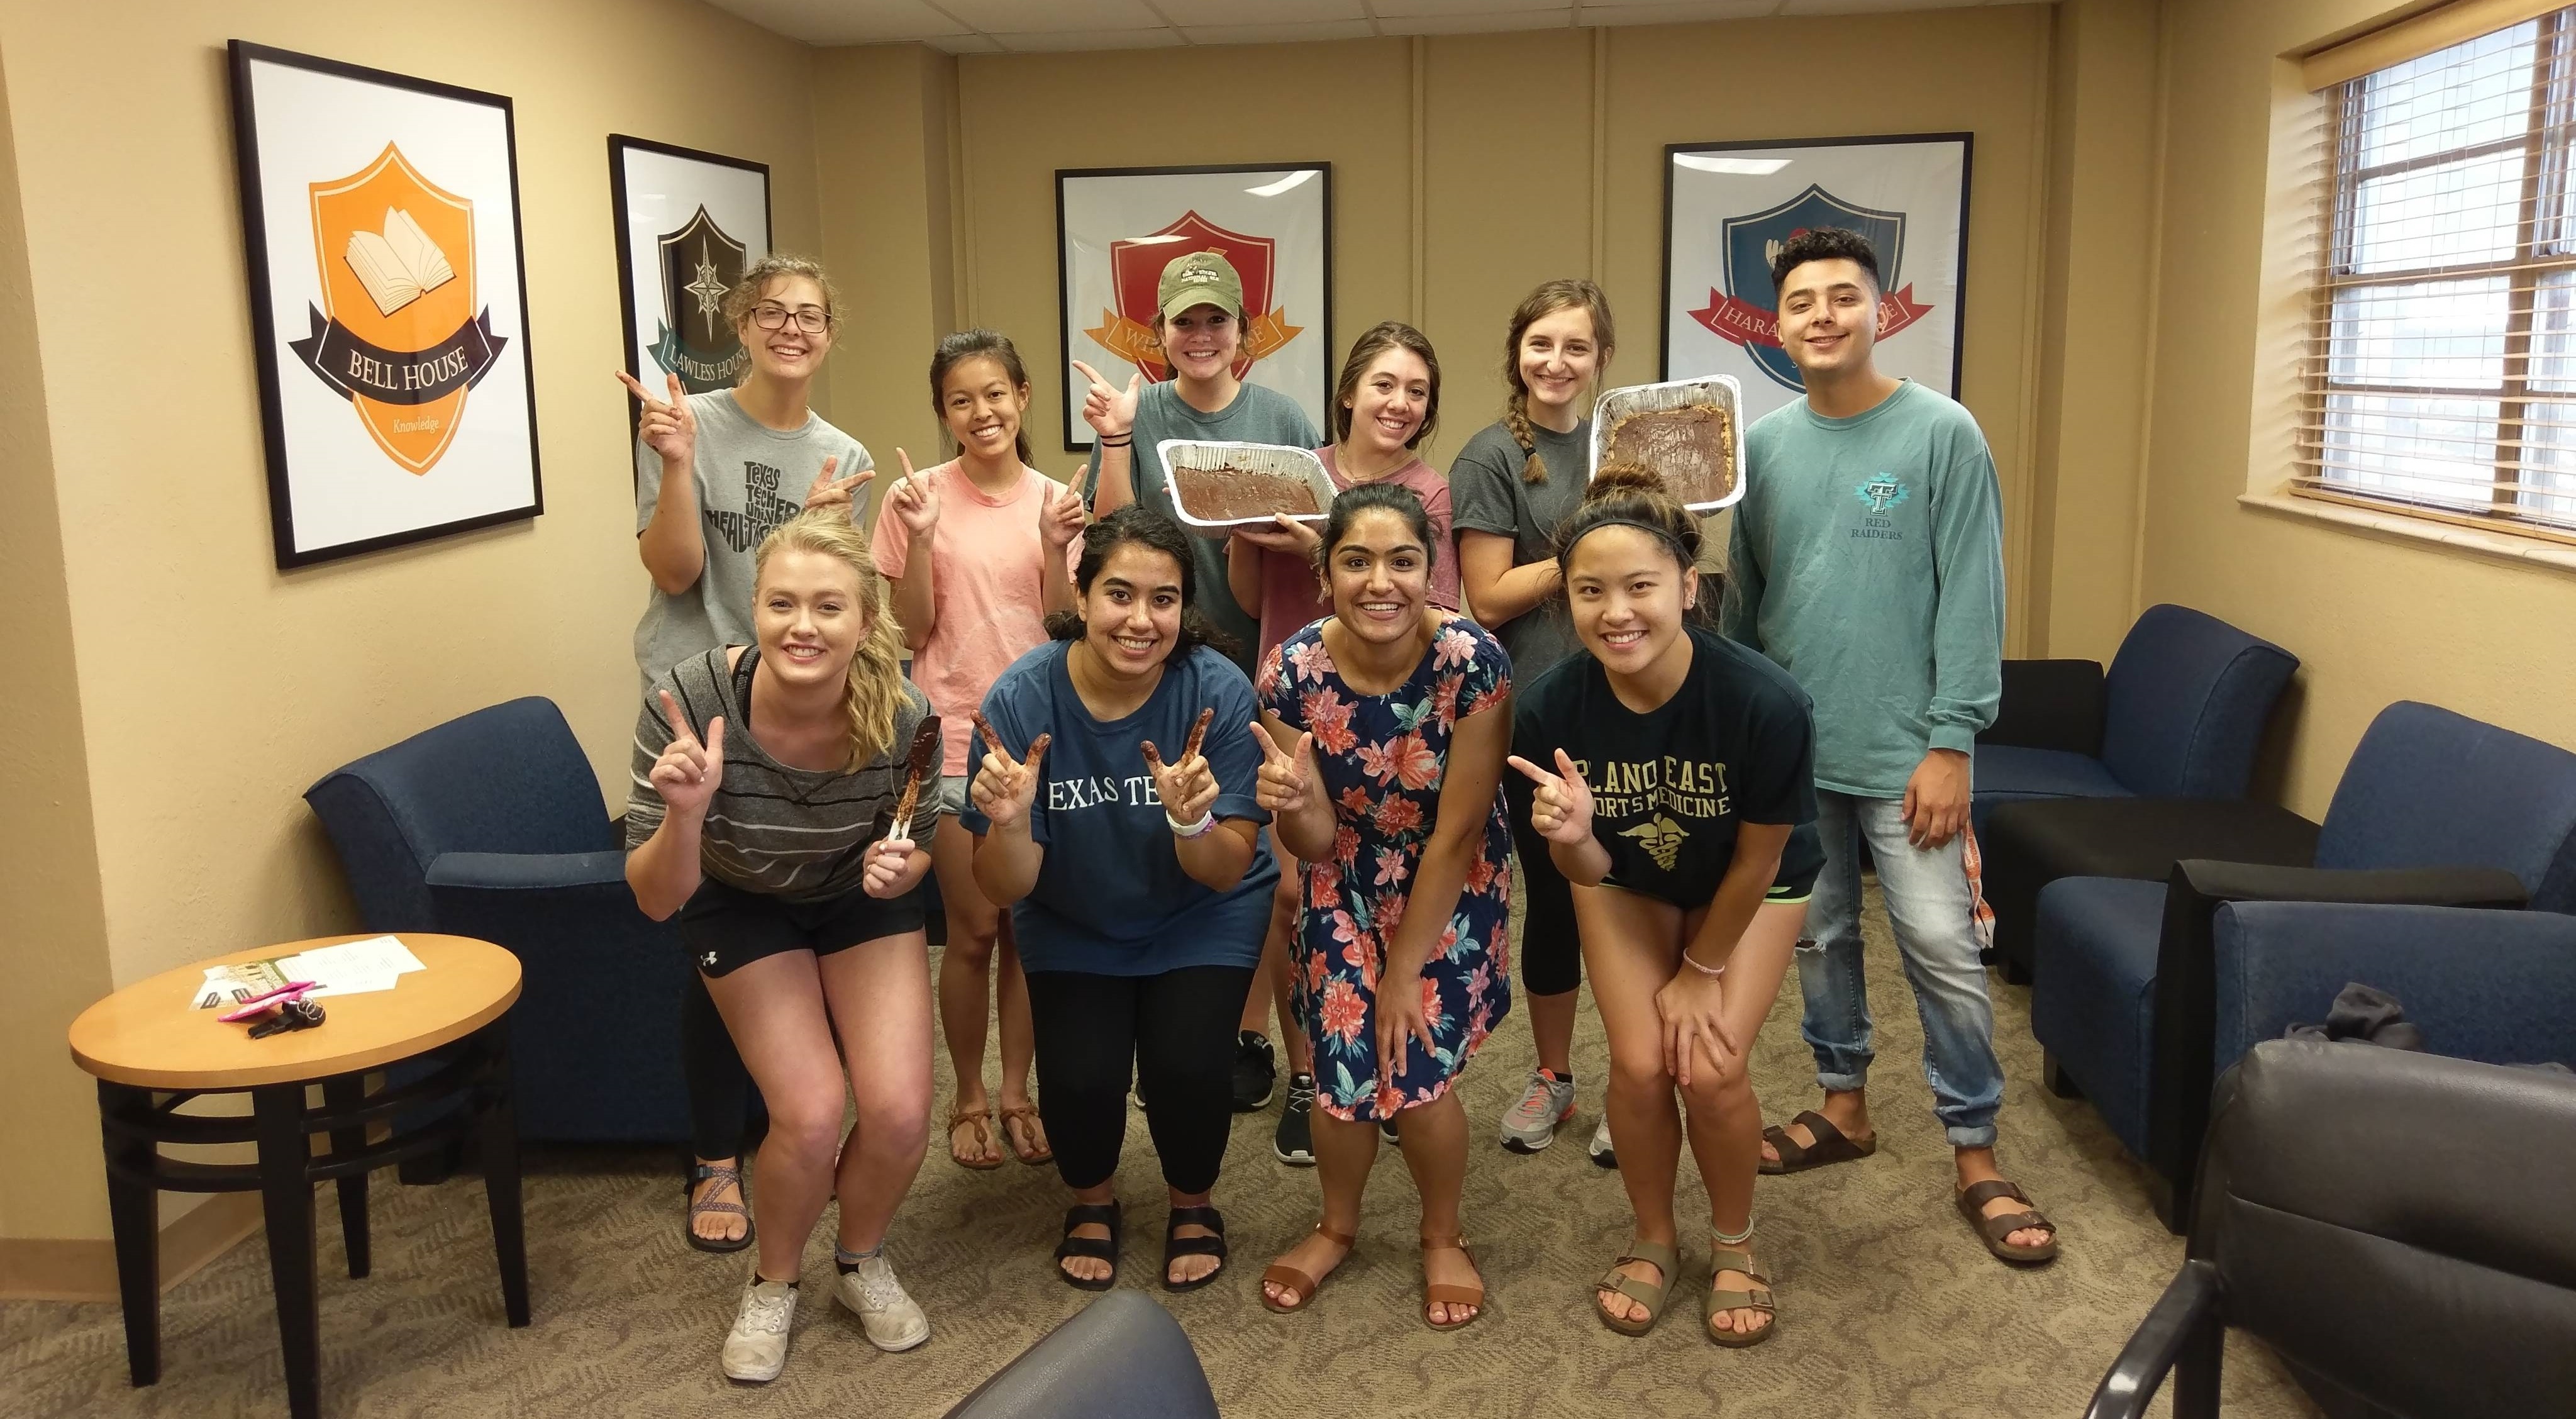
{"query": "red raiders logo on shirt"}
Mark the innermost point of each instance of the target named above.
(403, 340)
(1136, 272)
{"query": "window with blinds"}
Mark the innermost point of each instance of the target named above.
(2441, 367)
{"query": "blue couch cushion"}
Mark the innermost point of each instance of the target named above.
(2430, 788)
(2008, 773)
(2185, 702)
(2093, 992)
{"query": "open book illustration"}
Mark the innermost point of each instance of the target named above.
(400, 266)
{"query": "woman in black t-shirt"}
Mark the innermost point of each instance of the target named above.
(1679, 799)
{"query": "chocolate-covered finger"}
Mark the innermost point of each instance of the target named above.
(1198, 734)
(1037, 751)
(984, 727)
(1153, 757)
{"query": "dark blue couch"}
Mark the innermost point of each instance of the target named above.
(2146, 990)
(492, 826)
(2179, 715)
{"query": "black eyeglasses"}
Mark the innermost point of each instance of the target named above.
(769, 315)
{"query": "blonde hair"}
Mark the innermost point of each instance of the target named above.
(745, 293)
(875, 691)
(1548, 299)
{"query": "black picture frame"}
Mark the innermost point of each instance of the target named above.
(619, 146)
(1065, 319)
(1967, 142)
(241, 56)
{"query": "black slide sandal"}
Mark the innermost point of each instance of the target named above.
(1099, 1248)
(1175, 1248)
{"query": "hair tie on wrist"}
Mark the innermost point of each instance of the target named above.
(1711, 971)
(1120, 442)
(1199, 829)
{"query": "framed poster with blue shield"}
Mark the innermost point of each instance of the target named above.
(688, 224)
(1728, 207)
(388, 301)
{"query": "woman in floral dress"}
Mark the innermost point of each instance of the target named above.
(1388, 725)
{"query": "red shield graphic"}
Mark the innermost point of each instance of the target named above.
(1136, 271)
(403, 341)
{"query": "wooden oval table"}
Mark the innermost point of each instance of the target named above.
(443, 1029)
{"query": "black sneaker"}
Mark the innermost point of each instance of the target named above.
(1294, 1143)
(1256, 1075)
(1386, 1130)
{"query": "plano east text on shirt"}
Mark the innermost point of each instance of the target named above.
(1692, 788)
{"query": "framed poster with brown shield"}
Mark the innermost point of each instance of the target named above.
(388, 304)
(688, 225)
(1117, 228)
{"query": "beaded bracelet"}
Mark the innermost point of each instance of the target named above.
(1703, 970)
(1199, 829)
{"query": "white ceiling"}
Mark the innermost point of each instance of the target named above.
(1005, 26)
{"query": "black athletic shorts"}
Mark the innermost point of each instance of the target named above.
(726, 927)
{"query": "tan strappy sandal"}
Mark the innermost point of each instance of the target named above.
(1650, 1294)
(980, 1121)
(1283, 1275)
(1435, 1293)
(1729, 1259)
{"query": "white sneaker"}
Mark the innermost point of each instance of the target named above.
(756, 1350)
(888, 1315)
(1600, 1150)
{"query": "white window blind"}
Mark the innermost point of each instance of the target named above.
(2441, 363)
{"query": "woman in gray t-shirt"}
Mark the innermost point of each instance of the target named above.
(1512, 486)
(714, 473)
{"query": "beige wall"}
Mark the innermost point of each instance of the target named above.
(2372, 618)
(1466, 169)
(203, 689)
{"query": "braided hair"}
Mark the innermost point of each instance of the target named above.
(1571, 293)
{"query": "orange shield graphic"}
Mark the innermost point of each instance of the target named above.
(1136, 270)
(401, 337)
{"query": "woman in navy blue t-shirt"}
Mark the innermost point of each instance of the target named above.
(1113, 811)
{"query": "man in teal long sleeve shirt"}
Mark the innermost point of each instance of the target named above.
(1867, 560)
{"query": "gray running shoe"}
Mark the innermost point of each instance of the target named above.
(1530, 1124)
(1600, 1149)
(756, 1348)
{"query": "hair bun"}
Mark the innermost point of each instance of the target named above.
(1624, 476)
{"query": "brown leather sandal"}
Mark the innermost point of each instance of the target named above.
(1031, 1126)
(1729, 1259)
(1435, 1293)
(979, 1120)
(1283, 1275)
(1830, 1146)
(1972, 1201)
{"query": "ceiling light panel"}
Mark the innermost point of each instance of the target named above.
(996, 17)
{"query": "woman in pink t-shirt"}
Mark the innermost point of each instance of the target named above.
(976, 551)
(1385, 408)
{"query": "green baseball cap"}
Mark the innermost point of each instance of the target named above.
(1200, 278)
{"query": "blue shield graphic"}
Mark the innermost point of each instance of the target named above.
(1751, 241)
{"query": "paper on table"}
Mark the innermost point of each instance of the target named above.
(353, 967)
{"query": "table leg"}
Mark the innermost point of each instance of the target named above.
(286, 1190)
(134, 1218)
(347, 1092)
(500, 1142)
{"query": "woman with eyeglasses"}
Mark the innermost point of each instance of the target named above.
(715, 473)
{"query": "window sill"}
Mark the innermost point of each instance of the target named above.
(2494, 546)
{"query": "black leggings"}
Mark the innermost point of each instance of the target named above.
(1179, 1030)
(721, 1096)
(1551, 957)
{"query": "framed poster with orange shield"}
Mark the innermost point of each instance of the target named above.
(388, 304)
(688, 225)
(1117, 228)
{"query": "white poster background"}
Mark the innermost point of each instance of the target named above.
(1926, 181)
(342, 487)
(1100, 210)
(662, 193)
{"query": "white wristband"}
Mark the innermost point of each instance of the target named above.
(1201, 828)
(1703, 970)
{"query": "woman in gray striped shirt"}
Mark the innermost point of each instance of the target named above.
(766, 779)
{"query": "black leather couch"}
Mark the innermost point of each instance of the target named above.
(1121, 1357)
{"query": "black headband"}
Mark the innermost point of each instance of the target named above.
(1661, 534)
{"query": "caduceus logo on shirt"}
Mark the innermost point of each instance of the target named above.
(1662, 838)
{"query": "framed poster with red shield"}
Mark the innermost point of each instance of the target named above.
(388, 304)
(1117, 228)
(688, 225)
(1728, 207)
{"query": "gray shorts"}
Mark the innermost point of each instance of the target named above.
(952, 793)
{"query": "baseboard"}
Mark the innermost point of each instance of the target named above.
(84, 1268)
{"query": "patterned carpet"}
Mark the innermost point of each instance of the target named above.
(1888, 1305)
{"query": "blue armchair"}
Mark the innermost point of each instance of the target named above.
(2179, 715)
(491, 826)
(2062, 769)
(2440, 827)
